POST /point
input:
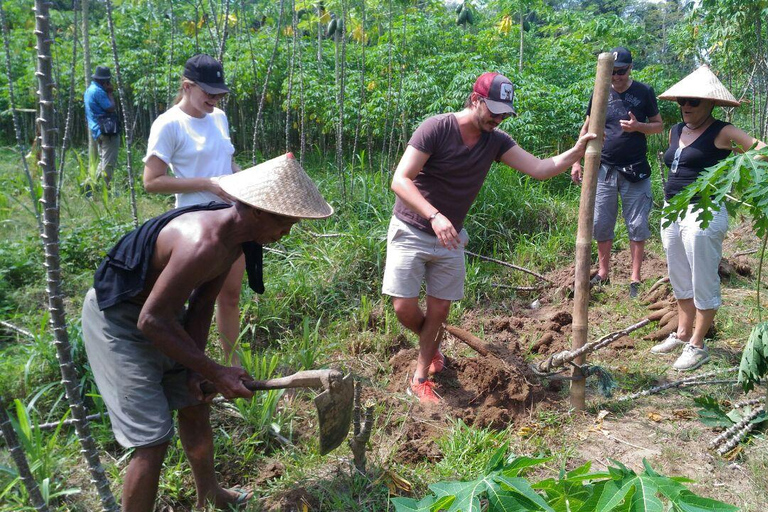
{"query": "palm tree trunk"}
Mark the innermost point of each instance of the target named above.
(52, 259)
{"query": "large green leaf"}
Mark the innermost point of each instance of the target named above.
(711, 414)
(411, 505)
(523, 488)
(689, 502)
(466, 494)
(754, 360)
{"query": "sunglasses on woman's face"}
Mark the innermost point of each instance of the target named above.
(620, 71)
(694, 102)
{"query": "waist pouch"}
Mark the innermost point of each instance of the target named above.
(109, 124)
(636, 172)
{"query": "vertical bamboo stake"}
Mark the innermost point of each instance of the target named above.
(50, 236)
(586, 217)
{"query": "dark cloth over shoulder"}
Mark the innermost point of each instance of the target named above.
(693, 158)
(123, 272)
(627, 148)
(453, 174)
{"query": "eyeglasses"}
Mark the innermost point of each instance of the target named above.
(694, 102)
(620, 71)
(209, 95)
(503, 116)
(675, 161)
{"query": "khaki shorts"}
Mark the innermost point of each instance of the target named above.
(140, 385)
(414, 256)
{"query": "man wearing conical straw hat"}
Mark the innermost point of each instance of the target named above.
(693, 253)
(624, 171)
(146, 321)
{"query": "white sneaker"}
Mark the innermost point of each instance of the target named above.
(691, 358)
(668, 345)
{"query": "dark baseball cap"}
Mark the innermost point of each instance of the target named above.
(206, 72)
(498, 92)
(622, 57)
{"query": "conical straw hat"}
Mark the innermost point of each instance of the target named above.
(703, 84)
(278, 186)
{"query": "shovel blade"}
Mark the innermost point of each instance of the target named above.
(334, 413)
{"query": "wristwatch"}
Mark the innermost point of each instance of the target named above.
(432, 217)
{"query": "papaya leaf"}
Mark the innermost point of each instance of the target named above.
(411, 505)
(466, 494)
(711, 414)
(518, 465)
(689, 502)
(522, 487)
(754, 359)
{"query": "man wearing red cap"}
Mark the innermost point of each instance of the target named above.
(436, 182)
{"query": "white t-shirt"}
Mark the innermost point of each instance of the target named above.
(193, 147)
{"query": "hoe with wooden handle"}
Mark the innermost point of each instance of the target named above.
(334, 404)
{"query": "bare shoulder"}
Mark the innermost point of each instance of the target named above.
(195, 240)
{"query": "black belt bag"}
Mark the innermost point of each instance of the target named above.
(109, 124)
(636, 172)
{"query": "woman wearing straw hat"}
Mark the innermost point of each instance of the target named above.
(693, 253)
(192, 139)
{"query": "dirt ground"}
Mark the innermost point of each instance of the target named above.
(500, 390)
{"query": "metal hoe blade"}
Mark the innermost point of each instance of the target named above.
(334, 413)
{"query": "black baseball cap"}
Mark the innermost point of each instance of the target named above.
(498, 92)
(622, 57)
(206, 72)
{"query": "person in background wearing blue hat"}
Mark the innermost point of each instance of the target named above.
(624, 170)
(100, 112)
(191, 139)
(436, 182)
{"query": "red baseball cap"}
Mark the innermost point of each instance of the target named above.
(497, 91)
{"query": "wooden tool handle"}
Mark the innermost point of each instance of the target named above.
(303, 379)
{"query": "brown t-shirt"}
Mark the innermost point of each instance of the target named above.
(453, 174)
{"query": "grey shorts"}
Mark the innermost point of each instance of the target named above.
(414, 256)
(636, 202)
(140, 385)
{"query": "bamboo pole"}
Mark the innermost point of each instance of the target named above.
(586, 217)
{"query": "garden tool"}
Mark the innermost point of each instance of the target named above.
(334, 404)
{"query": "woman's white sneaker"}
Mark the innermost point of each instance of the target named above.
(668, 345)
(691, 358)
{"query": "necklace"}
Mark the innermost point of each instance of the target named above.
(690, 129)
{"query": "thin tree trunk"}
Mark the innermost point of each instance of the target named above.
(70, 104)
(170, 93)
(302, 125)
(224, 32)
(522, 31)
(127, 117)
(384, 132)
(93, 152)
(53, 261)
(341, 79)
(288, 107)
(362, 83)
(17, 125)
(266, 81)
(20, 459)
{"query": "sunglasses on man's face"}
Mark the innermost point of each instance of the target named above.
(694, 102)
(621, 71)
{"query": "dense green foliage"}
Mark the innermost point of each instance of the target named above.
(505, 489)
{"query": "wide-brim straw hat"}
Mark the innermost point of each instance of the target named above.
(702, 84)
(278, 186)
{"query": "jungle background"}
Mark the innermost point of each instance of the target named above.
(343, 84)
